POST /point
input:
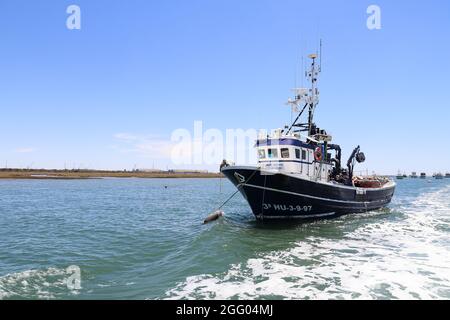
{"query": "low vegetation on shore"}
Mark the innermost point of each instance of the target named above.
(89, 174)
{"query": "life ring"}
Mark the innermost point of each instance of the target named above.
(318, 154)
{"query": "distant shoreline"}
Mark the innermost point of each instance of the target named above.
(46, 174)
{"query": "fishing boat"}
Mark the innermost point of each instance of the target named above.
(300, 172)
(439, 176)
(423, 175)
(399, 176)
(447, 175)
(413, 175)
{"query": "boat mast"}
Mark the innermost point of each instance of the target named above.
(308, 97)
(312, 76)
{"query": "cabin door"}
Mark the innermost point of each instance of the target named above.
(305, 161)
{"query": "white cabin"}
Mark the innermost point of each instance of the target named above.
(288, 154)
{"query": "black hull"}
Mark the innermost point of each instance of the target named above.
(284, 196)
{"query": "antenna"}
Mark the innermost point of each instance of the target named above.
(303, 67)
(320, 56)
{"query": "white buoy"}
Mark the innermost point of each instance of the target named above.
(213, 216)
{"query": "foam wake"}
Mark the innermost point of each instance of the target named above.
(405, 257)
(34, 284)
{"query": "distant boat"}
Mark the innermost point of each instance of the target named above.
(413, 174)
(447, 175)
(405, 176)
(439, 176)
(423, 175)
(399, 176)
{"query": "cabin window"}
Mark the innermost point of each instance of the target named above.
(284, 153)
(297, 153)
(261, 153)
(272, 153)
(303, 154)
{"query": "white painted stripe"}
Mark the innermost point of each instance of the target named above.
(389, 185)
(305, 195)
(318, 215)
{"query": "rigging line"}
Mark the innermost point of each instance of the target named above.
(297, 118)
(238, 188)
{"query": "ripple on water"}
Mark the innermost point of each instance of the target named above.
(406, 257)
(40, 284)
(133, 238)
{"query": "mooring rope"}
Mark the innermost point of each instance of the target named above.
(238, 188)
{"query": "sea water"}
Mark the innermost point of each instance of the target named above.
(144, 239)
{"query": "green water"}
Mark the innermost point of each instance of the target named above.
(136, 239)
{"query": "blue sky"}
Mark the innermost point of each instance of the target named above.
(110, 95)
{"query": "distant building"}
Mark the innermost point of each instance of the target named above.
(185, 171)
(150, 170)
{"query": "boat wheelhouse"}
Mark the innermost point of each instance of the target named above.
(288, 153)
